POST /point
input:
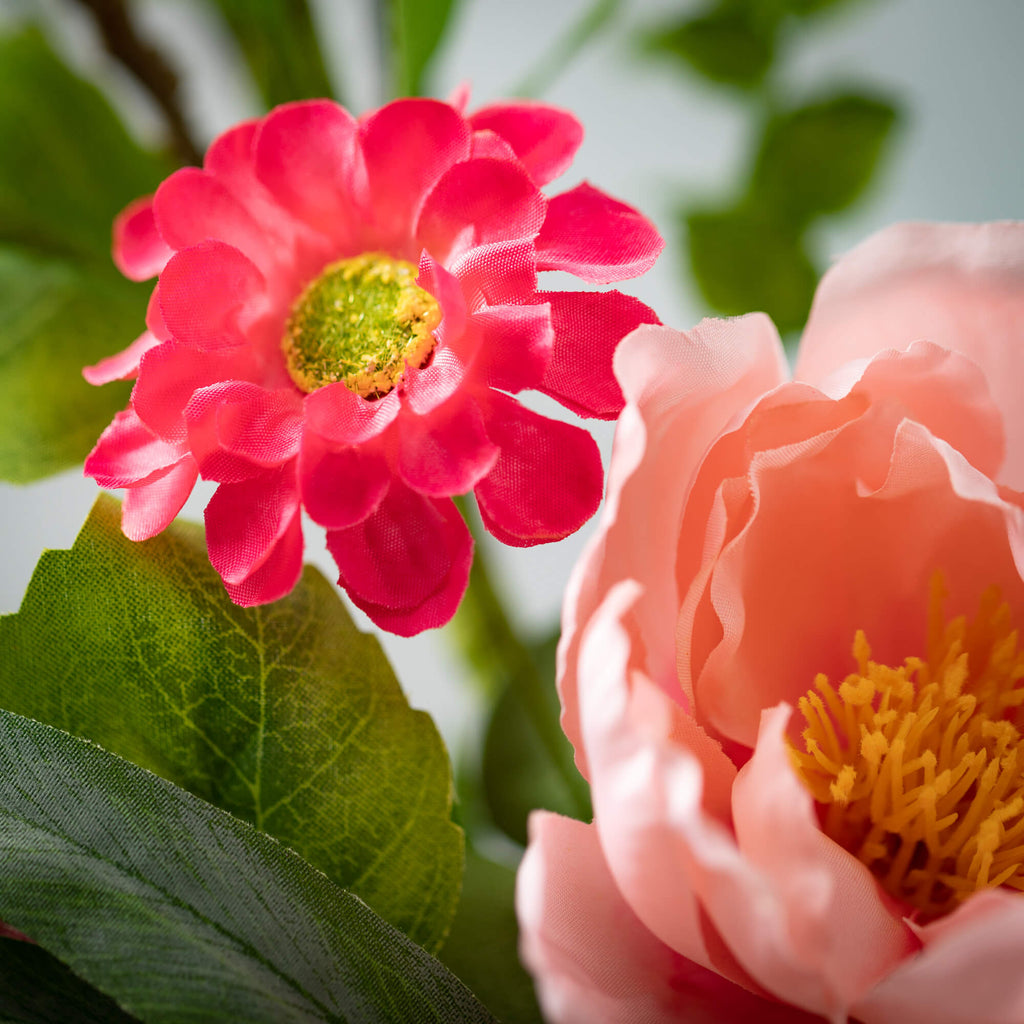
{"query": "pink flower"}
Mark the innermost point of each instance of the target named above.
(793, 821)
(344, 309)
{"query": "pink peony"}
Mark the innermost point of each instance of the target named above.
(790, 665)
(343, 309)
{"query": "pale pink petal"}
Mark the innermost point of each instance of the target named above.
(128, 452)
(447, 451)
(341, 486)
(245, 521)
(277, 574)
(515, 344)
(545, 138)
(151, 506)
(124, 365)
(588, 328)
(593, 959)
(595, 237)
(479, 202)
(341, 416)
(960, 286)
(547, 481)
(407, 564)
(497, 274)
(139, 252)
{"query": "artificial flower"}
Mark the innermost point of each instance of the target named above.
(790, 665)
(344, 311)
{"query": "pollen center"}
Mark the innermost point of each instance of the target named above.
(361, 322)
(918, 770)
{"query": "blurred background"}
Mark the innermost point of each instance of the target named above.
(763, 137)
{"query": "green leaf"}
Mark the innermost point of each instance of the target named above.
(743, 261)
(286, 715)
(36, 988)
(280, 46)
(69, 165)
(55, 318)
(820, 158)
(482, 948)
(180, 911)
(417, 29)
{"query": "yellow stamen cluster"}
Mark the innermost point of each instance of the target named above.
(919, 770)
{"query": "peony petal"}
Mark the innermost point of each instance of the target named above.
(407, 564)
(447, 451)
(595, 237)
(139, 252)
(209, 294)
(245, 521)
(588, 327)
(150, 507)
(128, 453)
(497, 274)
(408, 145)
(341, 487)
(593, 959)
(960, 286)
(124, 365)
(545, 138)
(277, 574)
(479, 202)
(547, 481)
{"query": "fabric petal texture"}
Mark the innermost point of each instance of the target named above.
(781, 570)
(342, 307)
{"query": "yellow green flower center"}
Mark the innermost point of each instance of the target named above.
(360, 323)
(918, 770)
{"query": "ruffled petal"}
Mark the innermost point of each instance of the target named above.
(547, 481)
(341, 486)
(124, 365)
(139, 251)
(150, 507)
(128, 452)
(588, 327)
(514, 343)
(407, 564)
(545, 138)
(278, 572)
(341, 416)
(595, 237)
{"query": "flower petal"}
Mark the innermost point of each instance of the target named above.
(341, 416)
(407, 564)
(139, 251)
(128, 452)
(545, 138)
(514, 345)
(518, 502)
(150, 507)
(595, 237)
(277, 573)
(497, 274)
(124, 365)
(341, 486)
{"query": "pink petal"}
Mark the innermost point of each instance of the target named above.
(476, 203)
(489, 145)
(245, 521)
(408, 145)
(446, 289)
(592, 958)
(154, 317)
(960, 286)
(128, 452)
(544, 138)
(124, 365)
(277, 574)
(497, 274)
(588, 327)
(515, 345)
(210, 294)
(595, 237)
(547, 481)
(340, 415)
(150, 507)
(231, 156)
(139, 252)
(407, 564)
(341, 486)
(447, 451)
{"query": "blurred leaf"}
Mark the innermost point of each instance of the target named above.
(69, 165)
(744, 261)
(36, 988)
(56, 317)
(417, 28)
(819, 158)
(280, 46)
(482, 948)
(285, 715)
(180, 911)
(527, 760)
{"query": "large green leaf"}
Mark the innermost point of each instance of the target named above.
(56, 317)
(280, 46)
(284, 715)
(181, 912)
(417, 28)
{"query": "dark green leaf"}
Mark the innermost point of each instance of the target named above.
(285, 715)
(417, 28)
(820, 157)
(56, 317)
(482, 948)
(280, 46)
(180, 911)
(744, 261)
(68, 165)
(36, 988)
